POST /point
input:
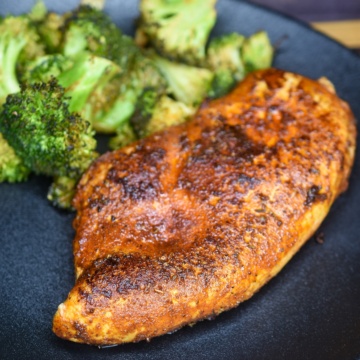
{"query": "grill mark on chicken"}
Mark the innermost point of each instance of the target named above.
(191, 221)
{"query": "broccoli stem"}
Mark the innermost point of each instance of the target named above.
(9, 53)
(84, 76)
(187, 84)
(62, 191)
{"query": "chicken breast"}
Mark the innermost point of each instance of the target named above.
(193, 220)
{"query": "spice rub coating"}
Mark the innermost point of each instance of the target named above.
(193, 220)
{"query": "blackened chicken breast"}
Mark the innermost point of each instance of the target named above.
(191, 221)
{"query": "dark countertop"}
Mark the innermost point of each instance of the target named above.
(339, 19)
(316, 10)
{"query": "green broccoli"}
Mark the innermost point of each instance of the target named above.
(125, 136)
(110, 109)
(178, 29)
(87, 73)
(98, 89)
(81, 76)
(144, 109)
(50, 139)
(38, 12)
(257, 52)
(90, 29)
(62, 191)
(114, 103)
(18, 44)
(111, 104)
(49, 26)
(224, 58)
(154, 113)
(168, 112)
(33, 48)
(46, 67)
(50, 30)
(188, 84)
(12, 168)
(232, 56)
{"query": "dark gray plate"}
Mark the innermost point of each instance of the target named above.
(310, 311)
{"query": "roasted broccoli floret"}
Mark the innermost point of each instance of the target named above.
(168, 112)
(224, 58)
(33, 48)
(111, 110)
(48, 25)
(153, 114)
(50, 139)
(50, 29)
(178, 29)
(188, 84)
(114, 103)
(257, 52)
(46, 67)
(92, 30)
(62, 191)
(232, 56)
(38, 12)
(144, 109)
(80, 76)
(12, 168)
(125, 136)
(111, 104)
(18, 44)
(97, 87)
(87, 74)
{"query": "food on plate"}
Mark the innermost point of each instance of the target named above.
(224, 58)
(48, 137)
(187, 84)
(231, 56)
(257, 52)
(153, 114)
(90, 29)
(121, 86)
(12, 168)
(191, 221)
(19, 44)
(178, 30)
